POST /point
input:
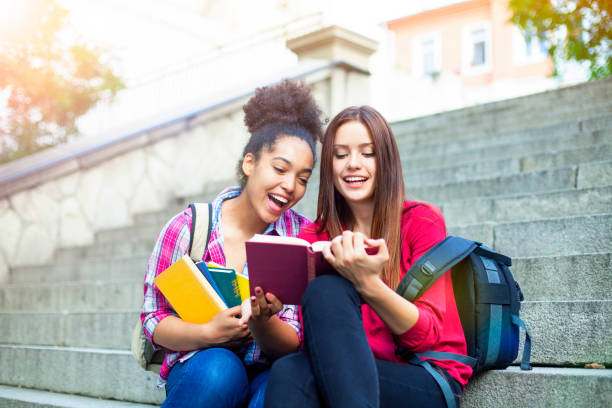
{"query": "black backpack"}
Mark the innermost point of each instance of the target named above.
(488, 301)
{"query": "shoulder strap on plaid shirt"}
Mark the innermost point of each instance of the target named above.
(201, 225)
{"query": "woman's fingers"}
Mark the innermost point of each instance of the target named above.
(255, 310)
(383, 251)
(245, 308)
(348, 251)
(359, 244)
(274, 303)
(234, 311)
(261, 300)
(333, 252)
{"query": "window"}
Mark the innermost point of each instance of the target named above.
(528, 48)
(477, 48)
(479, 54)
(427, 55)
(429, 63)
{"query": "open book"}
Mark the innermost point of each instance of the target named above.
(284, 266)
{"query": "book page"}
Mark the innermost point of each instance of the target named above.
(319, 245)
(276, 239)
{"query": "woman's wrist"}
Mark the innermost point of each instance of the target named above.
(370, 286)
(205, 336)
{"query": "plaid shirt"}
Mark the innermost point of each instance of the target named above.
(172, 244)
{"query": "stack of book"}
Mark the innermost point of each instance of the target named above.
(198, 291)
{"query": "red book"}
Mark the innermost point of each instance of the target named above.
(284, 266)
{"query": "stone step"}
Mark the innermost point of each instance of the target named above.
(527, 207)
(501, 151)
(546, 237)
(595, 153)
(127, 247)
(497, 126)
(554, 237)
(569, 333)
(112, 269)
(549, 237)
(531, 182)
(73, 296)
(545, 139)
(17, 397)
(461, 172)
(505, 115)
(576, 277)
(494, 124)
(563, 332)
(136, 232)
(594, 174)
(583, 176)
(109, 329)
(78, 371)
(541, 278)
(100, 373)
(516, 207)
(539, 388)
(500, 167)
(159, 217)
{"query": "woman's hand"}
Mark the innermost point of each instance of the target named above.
(225, 330)
(260, 308)
(347, 254)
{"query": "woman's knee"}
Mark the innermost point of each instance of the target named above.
(287, 367)
(291, 383)
(326, 286)
(328, 289)
(219, 370)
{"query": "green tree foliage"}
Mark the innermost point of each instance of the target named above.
(47, 78)
(579, 30)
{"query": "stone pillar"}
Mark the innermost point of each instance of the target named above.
(349, 84)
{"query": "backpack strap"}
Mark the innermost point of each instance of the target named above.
(525, 360)
(449, 396)
(433, 263)
(442, 355)
(201, 224)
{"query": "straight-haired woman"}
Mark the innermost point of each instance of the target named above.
(355, 322)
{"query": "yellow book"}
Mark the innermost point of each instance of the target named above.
(243, 286)
(188, 291)
(243, 281)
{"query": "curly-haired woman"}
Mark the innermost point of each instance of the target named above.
(217, 364)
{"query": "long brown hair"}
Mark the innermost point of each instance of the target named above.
(333, 211)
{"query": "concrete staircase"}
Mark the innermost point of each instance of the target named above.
(530, 177)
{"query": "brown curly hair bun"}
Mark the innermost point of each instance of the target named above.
(284, 109)
(288, 102)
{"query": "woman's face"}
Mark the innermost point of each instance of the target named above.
(354, 162)
(278, 179)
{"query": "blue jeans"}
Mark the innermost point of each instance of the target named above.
(337, 368)
(215, 377)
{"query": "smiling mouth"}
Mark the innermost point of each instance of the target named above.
(355, 180)
(278, 200)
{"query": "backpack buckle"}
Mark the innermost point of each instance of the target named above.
(428, 269)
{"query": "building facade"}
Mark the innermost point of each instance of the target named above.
(467, 52)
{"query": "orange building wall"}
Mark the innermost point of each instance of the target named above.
(449, 21)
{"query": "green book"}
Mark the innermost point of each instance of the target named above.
(226, 281)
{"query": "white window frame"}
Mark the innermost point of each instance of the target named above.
(467, 48)
(519, 49)
(418, 53)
